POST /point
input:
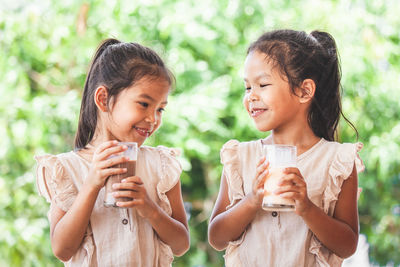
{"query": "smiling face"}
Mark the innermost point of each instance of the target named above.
(137, 110)
(268, 98)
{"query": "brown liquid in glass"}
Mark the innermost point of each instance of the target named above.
(109, 200)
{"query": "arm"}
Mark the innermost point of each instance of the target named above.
(340, 232)
(67, 229)
(172, 230)
(344, 221)
(228, 225)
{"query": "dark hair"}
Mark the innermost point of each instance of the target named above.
(116, 65)
(301, 56)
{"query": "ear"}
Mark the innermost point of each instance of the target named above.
(306, 91)
(100, 98)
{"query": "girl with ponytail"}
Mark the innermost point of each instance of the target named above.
(292, 90)
(125, 94)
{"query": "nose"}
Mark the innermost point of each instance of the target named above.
(151, 117)
(252, 96)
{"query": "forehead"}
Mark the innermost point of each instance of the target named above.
(156, 88)
(258, 65)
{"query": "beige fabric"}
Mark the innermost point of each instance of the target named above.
(109, 242)
(285, 240)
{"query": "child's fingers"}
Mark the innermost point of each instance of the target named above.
(287, 188)
(260, 179)
(260, 169)
(111, 152)
(128, 186)
(112, 162)
(262, 159)
(292, 179)
(294, 170)
(100, 148)
(112, 171)
(291, 195)
(132, 203)
(127, 194)
(133, 179)
(264, 176)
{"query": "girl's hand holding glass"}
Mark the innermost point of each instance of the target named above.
(293, 186)
(100, 168)
(257, 194)
(132, 187)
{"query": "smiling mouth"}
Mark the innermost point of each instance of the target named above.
(257, 111)
(143, 131)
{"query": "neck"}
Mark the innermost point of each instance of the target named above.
(101, 134)
(101, 137)
(297, 135)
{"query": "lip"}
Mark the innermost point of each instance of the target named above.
(143, 131)
(255, 112)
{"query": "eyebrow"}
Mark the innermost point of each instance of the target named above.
(151, 99)
(261, 75)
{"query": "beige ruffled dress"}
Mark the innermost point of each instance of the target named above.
(282, 238)
(115, 236)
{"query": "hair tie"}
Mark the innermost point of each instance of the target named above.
(313, 38)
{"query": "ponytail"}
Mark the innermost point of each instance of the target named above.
(326, 107)
(88, 114)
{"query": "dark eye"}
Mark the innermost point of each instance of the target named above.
(264, 85)
(144, 104)
(161, 110)
(248, 88)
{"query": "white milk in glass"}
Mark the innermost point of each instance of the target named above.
(279, 157)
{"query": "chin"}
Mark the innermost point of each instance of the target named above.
(263, 128)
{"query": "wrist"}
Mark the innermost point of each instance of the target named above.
(91, 189)
(306, 211)
(155, 214)
(253, 202)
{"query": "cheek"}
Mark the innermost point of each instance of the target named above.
(159, 120)
(266, 96)
(246, 102)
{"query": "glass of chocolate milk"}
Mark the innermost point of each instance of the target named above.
(131, 153)
(279, 157)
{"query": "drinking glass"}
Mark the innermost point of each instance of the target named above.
(131, 153)
(279, 157)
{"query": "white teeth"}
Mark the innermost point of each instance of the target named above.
(255, 113)
(144, 131)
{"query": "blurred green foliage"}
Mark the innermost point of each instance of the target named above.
(45, 50)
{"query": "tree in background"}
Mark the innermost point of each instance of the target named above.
(45, 50)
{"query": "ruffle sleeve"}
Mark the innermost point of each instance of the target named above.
(230, 159)
(170, 173)
(340, 169)
(53, 182)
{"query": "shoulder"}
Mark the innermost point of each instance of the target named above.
(50, 161)
(232, 149)
(168, 156)
(344, 152)
(344, 157)
(53, 179)
(229, 151)
(174, 152)
(235, 144)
